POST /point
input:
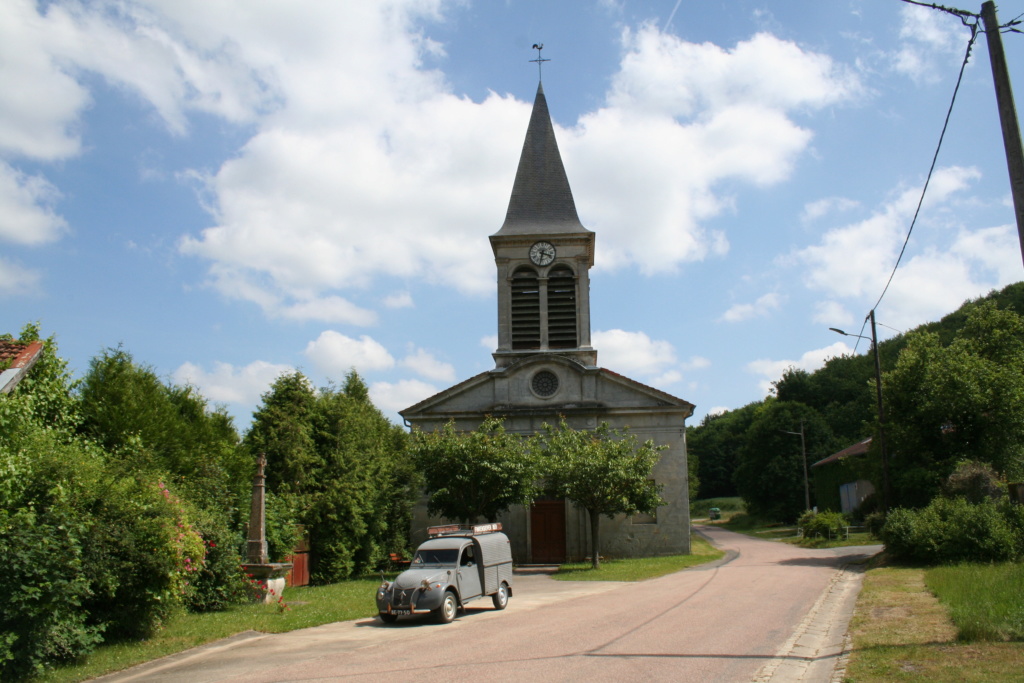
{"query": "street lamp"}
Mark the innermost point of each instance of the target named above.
(803, 452)
(881, 411)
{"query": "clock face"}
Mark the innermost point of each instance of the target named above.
(542, 253)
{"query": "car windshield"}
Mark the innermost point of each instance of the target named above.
(435, 556)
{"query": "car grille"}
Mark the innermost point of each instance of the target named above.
(400, 597)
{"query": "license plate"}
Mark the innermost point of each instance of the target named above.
(401, 612)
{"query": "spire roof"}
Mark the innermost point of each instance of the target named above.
(541, 199)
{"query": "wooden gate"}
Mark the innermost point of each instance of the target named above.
(547, 531)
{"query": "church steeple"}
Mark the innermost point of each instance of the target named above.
(541, 200)
(544, 255)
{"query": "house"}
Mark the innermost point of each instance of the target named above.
(837, 481)
(546, 369)
(16, 359)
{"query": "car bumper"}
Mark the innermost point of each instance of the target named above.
(416, 601)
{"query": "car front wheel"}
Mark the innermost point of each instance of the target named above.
(446, 612)
(500, 598)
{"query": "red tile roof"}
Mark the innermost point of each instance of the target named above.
(16, 358)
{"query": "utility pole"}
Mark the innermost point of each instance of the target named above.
(886, 495)
(1007, 114)
(803, 453)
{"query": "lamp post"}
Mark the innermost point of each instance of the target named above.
(803, 453)
(881, 410)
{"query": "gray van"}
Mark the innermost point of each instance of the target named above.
(456, 565)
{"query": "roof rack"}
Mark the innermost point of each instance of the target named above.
(463, 529)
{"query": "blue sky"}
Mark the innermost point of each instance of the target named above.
(233, 189)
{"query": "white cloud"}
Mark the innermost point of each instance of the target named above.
(26, 216)
(832, 314)
(354, 174)
(760, 308)
(399, 395)
(228, 384)
(771, 370)
(330, 309)
(16, 280)
(489, 342)
(670, 377)
(633, 352)
(423, 363)
(334, 354)
(852, 263)
(928, 40)
(822, 207)
(697, 363)
(39, 122)
(399, 300)
(856, 259)
(701, 115)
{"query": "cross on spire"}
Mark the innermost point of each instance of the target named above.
(540, 60)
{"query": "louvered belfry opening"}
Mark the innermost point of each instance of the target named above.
(562, 308)
(525, 309)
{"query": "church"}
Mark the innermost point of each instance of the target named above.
(546, 369)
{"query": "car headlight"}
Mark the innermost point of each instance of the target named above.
(425, 585)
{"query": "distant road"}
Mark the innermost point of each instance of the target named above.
(768, 611)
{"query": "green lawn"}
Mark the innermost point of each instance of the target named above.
(306, 606)
(902, 632)
(640, 568)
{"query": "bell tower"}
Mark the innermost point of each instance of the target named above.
(543, 255)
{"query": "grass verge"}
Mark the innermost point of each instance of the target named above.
(307, 606)
(750, 525)
(901, 632)
(640, 568)
(985, 601)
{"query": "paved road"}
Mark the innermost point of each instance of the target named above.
(766, 612)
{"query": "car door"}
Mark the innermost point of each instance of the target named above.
(469, 573)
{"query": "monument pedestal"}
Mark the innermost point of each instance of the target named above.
(270, 579)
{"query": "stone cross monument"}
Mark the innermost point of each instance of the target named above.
(269, 576)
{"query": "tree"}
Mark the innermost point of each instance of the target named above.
(604, 471)
(334, 459)
(716, 444)
(161, 429)
(770, 476)
(282, 430)
(960, 402)
(482, 473)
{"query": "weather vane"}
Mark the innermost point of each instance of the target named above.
(540, 60)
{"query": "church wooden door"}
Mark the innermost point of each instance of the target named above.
(547, 531)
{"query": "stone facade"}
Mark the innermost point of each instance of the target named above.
(546, 369)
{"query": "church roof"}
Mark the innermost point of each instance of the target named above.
(541, 199)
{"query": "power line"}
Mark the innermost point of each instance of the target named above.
(961, 13)
(967, 55)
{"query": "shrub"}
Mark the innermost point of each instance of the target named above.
(42, 541)
(874, 523)
(218, 582)
(141, 553)
(41, 620)
(955, 530)
(975, 481)
(828, 524)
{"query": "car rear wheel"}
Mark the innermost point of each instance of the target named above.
(500, 599)
(449, 606)
(389, 618)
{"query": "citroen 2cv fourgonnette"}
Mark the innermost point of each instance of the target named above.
(457, 564)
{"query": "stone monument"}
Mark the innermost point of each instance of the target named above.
(270, 576)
